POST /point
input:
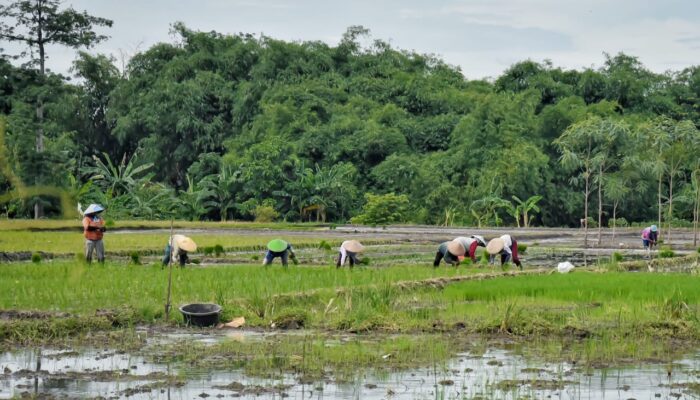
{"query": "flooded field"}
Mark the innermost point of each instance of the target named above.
(487, 373)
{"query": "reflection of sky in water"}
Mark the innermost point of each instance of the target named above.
(465, 377)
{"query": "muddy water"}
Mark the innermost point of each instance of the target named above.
(493, 374)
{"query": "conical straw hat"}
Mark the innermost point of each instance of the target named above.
(185, 243)
(354, 246)
(495, 246)
(277, 245)
(456, 248)
(93, 209)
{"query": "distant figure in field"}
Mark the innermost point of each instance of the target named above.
(349, 250)
(282, 249)
(93, 230)
(450, 251)
(470, 244)
(507, 247)
(177, 248)
(650, 236)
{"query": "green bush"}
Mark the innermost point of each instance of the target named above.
(265, 214)
(383, 209)
(219, 250)
(618, 222)
(135, 258)
(666, 252)
(616, 257)
(592, 223)
(36, 258)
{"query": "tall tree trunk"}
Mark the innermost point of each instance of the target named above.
(614, 220)
(38, 206)
(696, 211)
(585, 211)
(659, 199)
(600, 205)
(670, 207)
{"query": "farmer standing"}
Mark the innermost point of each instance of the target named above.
(507, 247)
(177, 249)
(93, 230)
(279, 248)
(650, 236)
(450, 251)
(470, 244)
(349, 250)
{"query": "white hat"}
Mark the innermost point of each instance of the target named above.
(495, 246)
(456, 248)
(94, 209)
(479, 239)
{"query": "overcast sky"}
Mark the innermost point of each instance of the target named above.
(482, 37)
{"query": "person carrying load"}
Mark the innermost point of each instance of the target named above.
(93, 230)
(450, 251)
(507, 247)
(177, 248)
(470, 244)
(349, 250)
(279, 248)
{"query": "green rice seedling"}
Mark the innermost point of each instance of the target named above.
(255, 257)
(324, 245)
(135, 258)
(365, 261)
(36, 258)
(208, 251)
(218, 250)
(666, 252)
(522, 248)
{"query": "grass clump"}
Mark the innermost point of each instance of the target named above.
(666, 252)
(36, 258)
(135, 258)
(616, 257)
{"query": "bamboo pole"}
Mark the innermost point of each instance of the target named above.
(170, 272)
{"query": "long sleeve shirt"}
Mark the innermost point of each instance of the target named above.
(343, 252)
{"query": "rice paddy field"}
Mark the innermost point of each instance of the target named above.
(392, 327)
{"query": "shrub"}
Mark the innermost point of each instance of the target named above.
(383, 209)
(616, 257)
(592, 223)
(666, 252)
(135, 258)
(618, 222)
(522, 248)
(218, 250)
(36, 258)
(265, 214)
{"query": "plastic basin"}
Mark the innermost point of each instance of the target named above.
(201, 314)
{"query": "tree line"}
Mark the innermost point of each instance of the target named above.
(234, 126)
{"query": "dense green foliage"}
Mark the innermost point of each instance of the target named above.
(237, 127)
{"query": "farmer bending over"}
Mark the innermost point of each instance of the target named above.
(650, 237)
(450, 251)
(507, 247)
(471, 243)
(94, 229)
(177, 248)
(279, 248)
(349, 250)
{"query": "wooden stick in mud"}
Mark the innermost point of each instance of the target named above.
(170, 272)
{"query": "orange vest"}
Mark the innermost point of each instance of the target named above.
(97, 224)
